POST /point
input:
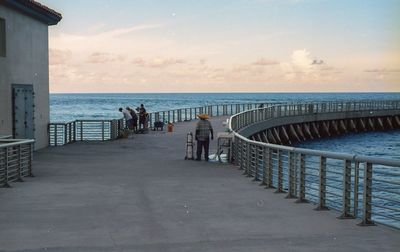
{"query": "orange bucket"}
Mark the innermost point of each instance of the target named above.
(170, 127)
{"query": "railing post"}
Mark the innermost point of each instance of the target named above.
(241, 144)
(81, 130)
(3, 170)
(264, 165)
(112, 130)
(65, 134)
(322, 185)
(367, 196)
(19, 171)
(148, 122)
(356, 183)
(70, 132)
(30, 165)
(49, 134)
(291, 176)
(6, 184)
(280, 172)
(346, 214)
(302, 184)
(248, 160)
(74, 131)
(102, 130)
(234, 156)
(267, 178)
(55, 134)
(256, 162)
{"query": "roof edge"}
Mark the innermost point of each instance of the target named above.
(35, 10)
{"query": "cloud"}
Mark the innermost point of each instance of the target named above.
(101, 57)
(301, 59)
(158, 62)
(59, 57)
(265, 62)
(120, 40)
(303, 68)
(124, 31)
(317, 62)
(383, 70)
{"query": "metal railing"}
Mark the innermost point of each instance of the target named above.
(84, 130)
(187, 114)
(61, 133)
(15, 160)
(358, 186)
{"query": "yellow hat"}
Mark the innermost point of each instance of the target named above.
(203, 116)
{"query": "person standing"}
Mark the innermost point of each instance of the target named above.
(142, 117)
(134, 118)
(127, 117)
(203, 132)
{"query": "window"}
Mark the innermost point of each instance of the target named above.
(2, 37)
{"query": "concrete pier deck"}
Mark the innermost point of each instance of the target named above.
(140, 195)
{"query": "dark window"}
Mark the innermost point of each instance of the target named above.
(2, 37)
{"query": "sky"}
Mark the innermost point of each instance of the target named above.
(225, 46)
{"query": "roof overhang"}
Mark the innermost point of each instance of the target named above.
(35, 10)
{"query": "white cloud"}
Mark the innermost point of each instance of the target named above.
(302, 59)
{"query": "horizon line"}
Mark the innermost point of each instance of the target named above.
(237, 92)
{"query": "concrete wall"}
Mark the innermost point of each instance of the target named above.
(287, 120)
(27, 62)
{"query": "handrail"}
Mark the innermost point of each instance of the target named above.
(16, 157)
(286, 167)
(14, 142)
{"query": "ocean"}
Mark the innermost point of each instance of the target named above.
(67, 107)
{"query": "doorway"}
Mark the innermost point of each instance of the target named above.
(23, 111)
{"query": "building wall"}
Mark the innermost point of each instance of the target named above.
(26, 62)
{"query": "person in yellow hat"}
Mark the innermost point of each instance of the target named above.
(203, 132)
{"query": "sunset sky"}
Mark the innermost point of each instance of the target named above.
(225, 46)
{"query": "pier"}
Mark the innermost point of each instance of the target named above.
(139, 194)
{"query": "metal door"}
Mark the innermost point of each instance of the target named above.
(23, 111)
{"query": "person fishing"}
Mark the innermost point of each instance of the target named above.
(134, 119)
(202, 136)
(142, 117)
(127, 117)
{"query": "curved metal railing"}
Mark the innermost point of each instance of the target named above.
(357, 186)
(61, 133)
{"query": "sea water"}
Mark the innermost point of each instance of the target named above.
(67, 107)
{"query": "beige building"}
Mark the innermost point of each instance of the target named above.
(24, 69)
